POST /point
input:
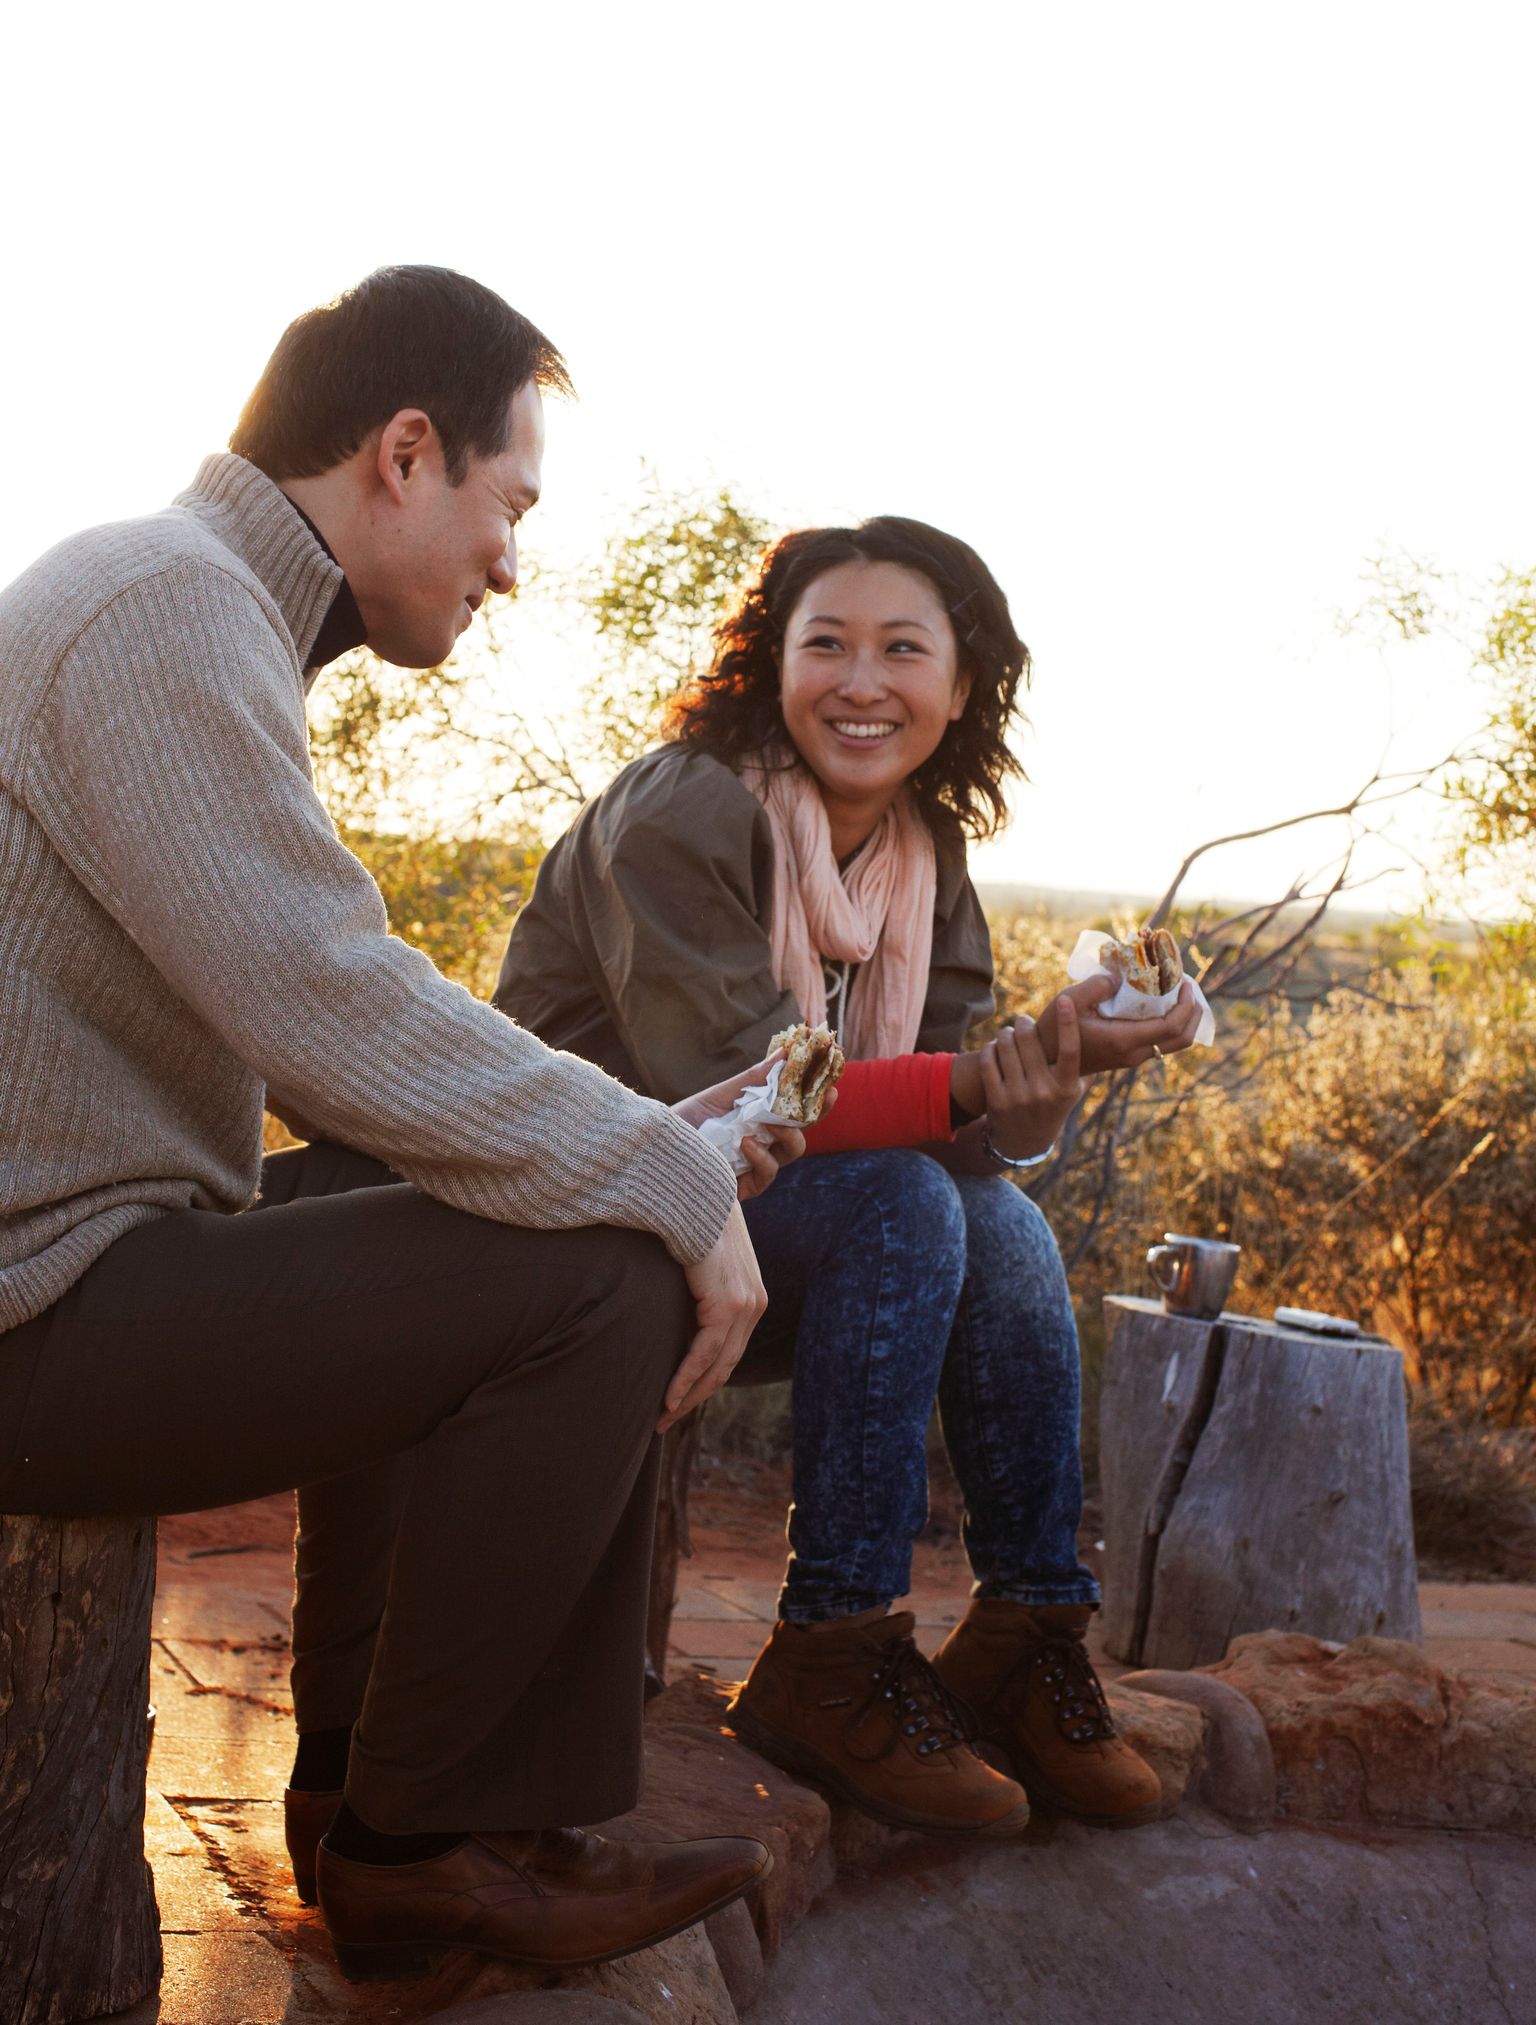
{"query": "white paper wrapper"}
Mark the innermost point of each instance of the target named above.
(1128, 1003)
(752, 1108)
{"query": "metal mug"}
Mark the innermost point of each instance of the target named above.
(1194, 1275)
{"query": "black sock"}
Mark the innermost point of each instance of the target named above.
(352, 1838)
(320, 1763)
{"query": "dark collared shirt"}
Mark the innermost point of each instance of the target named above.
(342, 628)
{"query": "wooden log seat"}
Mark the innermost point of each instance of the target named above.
(79, 1928)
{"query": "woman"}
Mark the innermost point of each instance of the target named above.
(798, 850)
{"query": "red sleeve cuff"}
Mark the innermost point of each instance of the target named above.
(902, 1101)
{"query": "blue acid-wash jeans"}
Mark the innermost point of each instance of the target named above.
(891, 1283)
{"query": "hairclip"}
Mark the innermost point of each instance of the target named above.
(954, 613)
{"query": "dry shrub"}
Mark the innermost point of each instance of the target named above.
(1474, 1497)
(1029, 953)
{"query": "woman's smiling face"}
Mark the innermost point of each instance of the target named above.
(870, 678)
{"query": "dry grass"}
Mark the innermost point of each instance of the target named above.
(1374, 1157)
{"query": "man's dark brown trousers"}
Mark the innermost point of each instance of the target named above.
(468, 1408)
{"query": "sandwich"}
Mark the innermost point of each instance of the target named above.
(812, 1064)
(1148, 962)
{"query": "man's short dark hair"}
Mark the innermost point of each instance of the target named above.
(406, 337)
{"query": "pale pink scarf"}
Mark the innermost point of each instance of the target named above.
(880, 916)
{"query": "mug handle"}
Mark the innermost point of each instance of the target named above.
(1163, 1259)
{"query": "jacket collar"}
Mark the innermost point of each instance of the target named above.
(262, 526)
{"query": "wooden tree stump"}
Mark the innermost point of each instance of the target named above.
(1255, 1479)
(79, 1928)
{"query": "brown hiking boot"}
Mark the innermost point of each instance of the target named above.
(854, 1704)
(1025, 1679)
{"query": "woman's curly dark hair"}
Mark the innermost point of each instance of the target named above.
(732, 710)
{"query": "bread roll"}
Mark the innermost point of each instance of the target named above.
(812, 1064)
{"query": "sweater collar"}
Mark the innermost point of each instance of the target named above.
(264, 528)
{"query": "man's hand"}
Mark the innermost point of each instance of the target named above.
(1119, 1044)
(784, 1143)
(1028, 1098)
(728, 1291)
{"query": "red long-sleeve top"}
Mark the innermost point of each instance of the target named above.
(901, 1101)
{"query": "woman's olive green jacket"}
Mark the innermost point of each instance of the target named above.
(645, 945)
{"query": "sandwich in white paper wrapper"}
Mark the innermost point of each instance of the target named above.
(794, 1094)
(1149, 974)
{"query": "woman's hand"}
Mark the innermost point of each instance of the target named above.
(1029, 1099)
(764, 1158)
(1119, 1044)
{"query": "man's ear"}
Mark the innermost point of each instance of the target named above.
(406, 441)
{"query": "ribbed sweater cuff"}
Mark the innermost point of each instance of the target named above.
(688, 1191)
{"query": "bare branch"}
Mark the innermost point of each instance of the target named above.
(1364, 797)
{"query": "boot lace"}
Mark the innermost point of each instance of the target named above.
(1056, 1665)
(921, 1705)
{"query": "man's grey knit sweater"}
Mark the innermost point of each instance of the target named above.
(181, 930)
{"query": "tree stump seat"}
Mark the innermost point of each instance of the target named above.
(79, 1927)
(1255, 1479)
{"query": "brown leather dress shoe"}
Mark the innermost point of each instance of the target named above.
(306, 1817)
(556, 1898)
(1037, 1708)
(853, 1704)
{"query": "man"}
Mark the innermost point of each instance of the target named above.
(457, 1335)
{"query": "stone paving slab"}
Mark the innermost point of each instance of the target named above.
(1483, 1655)
(1519, 1596)
(726, 1646)
(199, 1608)
(257, 1672)
(214, 1743)
(222, 1979)
(702, 1601)
(194, 1896)
(738, 1639)
(1444, 1621)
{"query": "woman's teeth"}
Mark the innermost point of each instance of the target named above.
(851, 730)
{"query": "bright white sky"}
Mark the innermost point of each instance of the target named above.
(1177, 314)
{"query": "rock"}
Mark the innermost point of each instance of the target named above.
(861, 1845)
(539, 2007)
(1374, 1733)
(738, 1953)
(1170, 1735)
(678, 1982)
(1182, 1922)
(1237, 1779)
(700, 1781)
